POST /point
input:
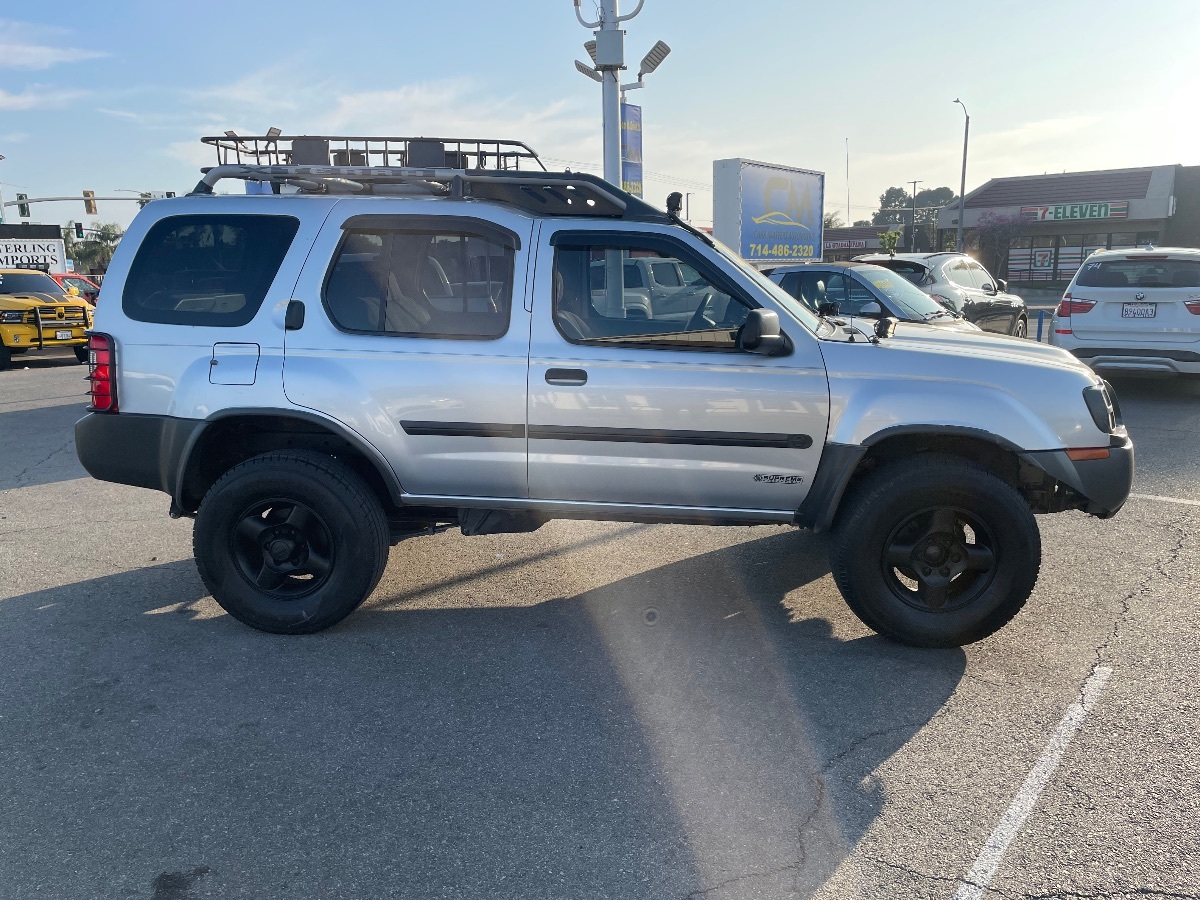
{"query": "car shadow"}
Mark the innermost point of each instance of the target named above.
(37, 446)
(701, 726)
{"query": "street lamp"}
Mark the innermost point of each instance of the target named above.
(962, 189)
(912, 237)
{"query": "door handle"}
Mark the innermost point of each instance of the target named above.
(566, 377)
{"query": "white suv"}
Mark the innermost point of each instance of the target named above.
(390, 350)
(1133, 310)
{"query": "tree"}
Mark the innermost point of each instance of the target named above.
(94, 252)
(832, 219)
(862, 223)
(994, 234)
(888, 241)
(896, 208)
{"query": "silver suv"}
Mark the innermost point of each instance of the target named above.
(369, 354)
(963, 285)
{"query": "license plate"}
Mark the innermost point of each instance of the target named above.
(63, 335)
(1138, 310)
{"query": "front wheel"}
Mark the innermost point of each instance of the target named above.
(81, 354)
(935, 551)
(1021, 329)
(290, 542)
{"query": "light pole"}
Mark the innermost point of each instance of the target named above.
(1, 198)
(962, 188)
(608, 56)
(912, 237)
(687, 206)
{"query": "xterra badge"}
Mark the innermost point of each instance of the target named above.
(780, 479)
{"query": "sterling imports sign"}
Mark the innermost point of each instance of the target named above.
(1070, 212)
(23, 253)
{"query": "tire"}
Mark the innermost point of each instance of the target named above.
(1021, 328)
(5, 357)
(290, 542)
(910, 569)
(81, 354)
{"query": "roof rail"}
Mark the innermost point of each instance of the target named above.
(542, 193)
(340, 150)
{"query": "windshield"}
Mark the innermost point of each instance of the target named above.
(782, 297)
(28, 283)
(85, 287)
(1146, 272)
(901, 293)
(913, 271)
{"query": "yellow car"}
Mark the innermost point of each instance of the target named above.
(35, 314)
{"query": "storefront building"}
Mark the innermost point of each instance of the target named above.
(1054, 222)
(841, 244)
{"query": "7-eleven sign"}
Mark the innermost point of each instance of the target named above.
(1069, 212)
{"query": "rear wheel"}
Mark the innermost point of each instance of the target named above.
(5, 357)
(81, 354)
(290, 542)
(935, 551)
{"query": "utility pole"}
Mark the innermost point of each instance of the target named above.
(912, 237)
(609, 59)
(962, 189)
(1, 197)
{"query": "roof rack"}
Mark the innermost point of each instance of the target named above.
(276, 149)
(542, 193)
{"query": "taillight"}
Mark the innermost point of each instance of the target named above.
(1193, 306)
(1070, 307)
(102, 359)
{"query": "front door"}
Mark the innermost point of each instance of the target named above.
(416, 336)
(648, 402)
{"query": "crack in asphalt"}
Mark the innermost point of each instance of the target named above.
(20, 476)
(700, 892)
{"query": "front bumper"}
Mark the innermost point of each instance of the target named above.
(1103, 484)
(22, 335)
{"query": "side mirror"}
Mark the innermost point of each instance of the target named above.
(828, 308)
(871, 308)
(760, 333)
(73, 291)
(989, 289)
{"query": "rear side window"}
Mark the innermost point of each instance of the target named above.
(421, 283)
(206, 269)
(914, 272)
(1143, 273)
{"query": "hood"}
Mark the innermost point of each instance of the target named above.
(968, 343)
(29, 301)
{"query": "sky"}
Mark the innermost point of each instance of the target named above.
(114, 97)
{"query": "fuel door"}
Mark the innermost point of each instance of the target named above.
(233, 363)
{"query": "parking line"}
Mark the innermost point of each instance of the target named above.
(1165, 499)
(980, 877)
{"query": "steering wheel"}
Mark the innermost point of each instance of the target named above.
(700, 320)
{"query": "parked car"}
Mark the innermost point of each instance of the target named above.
(36, 313)
(866, 290)
(88, 289)
(1133, 310)
(963, 285)
(288, 371)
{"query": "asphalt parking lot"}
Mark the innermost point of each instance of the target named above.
(588, 711)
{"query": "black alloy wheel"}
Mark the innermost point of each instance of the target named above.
(291, 541)
(934, 550)
(283, 548)
(939, 559)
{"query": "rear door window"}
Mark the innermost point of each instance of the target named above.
(1141, 273)
(206, 269)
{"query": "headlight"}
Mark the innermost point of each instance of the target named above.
(1102, 403)
(11, 317)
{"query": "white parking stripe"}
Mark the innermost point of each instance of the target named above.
(980, 877)
(1165, 499)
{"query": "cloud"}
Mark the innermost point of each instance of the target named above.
(15, 137)
(24, 46)
(38, 97)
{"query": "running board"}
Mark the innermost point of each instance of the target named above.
(613, 512)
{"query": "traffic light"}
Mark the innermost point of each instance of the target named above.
(79, 230)
(22, 206)
(89, 203)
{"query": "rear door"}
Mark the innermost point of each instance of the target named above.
(416, 337)
(1139, 298)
